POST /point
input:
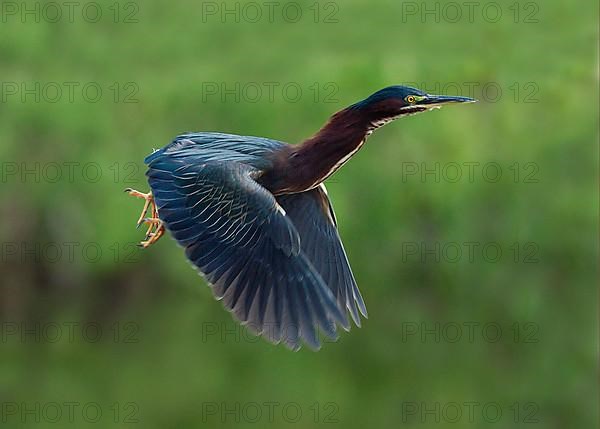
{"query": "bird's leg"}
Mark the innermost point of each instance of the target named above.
(156, 228)
(152, 221)
(149, 199)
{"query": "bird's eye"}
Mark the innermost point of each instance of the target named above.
(411, 99)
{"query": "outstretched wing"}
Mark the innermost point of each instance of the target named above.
(238, 236)
(312, 215)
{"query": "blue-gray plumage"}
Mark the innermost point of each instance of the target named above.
(254, 218)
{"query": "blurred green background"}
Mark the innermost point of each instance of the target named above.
(137, 337)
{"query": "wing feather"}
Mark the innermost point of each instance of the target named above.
(236, 234)
(314, 219)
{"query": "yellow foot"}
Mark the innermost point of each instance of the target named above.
(156, 228)
(152, 237)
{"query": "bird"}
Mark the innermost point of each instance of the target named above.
(254, 217)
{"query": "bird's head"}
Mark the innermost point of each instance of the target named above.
(396, 101)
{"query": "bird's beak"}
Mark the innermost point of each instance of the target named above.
(436, 101)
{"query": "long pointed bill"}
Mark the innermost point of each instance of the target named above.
(436, 101)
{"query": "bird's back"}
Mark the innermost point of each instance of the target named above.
(210, 146)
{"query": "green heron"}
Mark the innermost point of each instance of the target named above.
(255, 220)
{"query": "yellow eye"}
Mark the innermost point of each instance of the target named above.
(411, 99)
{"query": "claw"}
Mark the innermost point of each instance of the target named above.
(156, 228)
(152, 238)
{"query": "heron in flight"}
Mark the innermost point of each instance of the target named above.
(254, 217)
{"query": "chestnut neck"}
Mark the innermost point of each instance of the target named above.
(305, 166)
